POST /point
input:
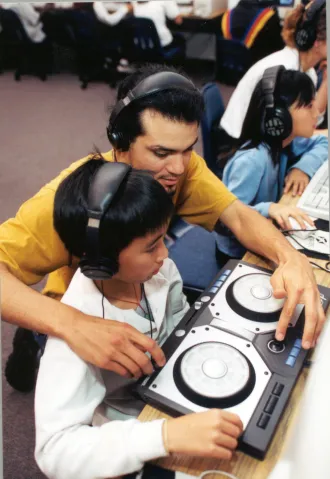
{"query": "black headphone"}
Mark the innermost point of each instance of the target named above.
(276, 123)
(155, 83)
(103, 188)
(306, 31)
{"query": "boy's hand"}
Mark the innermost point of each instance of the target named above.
(296, 180)
(112, 345)
(212, 433)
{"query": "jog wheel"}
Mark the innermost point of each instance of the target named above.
(251, 296)
(214, 374)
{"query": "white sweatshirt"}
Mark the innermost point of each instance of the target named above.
(158, 11)
(104, 16)
(30, 19)
(70, 392)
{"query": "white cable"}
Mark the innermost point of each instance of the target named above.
(205, 473)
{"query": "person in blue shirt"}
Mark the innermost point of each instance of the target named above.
(262, 168)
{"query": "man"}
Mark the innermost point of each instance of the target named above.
(156, 132)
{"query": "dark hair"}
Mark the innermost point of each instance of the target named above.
(183, 105)
(292, 86)
(140, 206)
(294, 18)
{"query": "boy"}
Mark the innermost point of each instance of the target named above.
(142, 289)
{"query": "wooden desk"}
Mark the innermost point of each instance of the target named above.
(243, 466)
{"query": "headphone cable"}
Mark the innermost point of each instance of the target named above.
(150, 315)
(102, 291)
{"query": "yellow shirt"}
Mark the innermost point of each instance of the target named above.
(31, 248)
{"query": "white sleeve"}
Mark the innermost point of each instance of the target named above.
(104, 16)
(171, 9)
(27, 13)
(67, 393)
(178, 300)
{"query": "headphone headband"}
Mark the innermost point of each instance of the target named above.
(104, 185)
(268, 84)
(276, 123)
(314, 10)
(102, 190)
(155, 83)
(306, 34)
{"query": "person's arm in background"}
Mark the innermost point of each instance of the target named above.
(172, 11)
(313, 153)
(111, 19)
(243, 176)
(27, 13)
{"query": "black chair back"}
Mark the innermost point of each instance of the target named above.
(143, 44)
(12, 29)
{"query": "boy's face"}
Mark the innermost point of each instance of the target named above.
(143, 258)
(165, 148)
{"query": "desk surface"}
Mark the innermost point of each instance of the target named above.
(242, 465)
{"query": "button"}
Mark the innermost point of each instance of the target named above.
(213, 290)
(218, 283)
(291, 361)
(276, 346)
(295, 352)
(227, 272)
(263, 421)
(198, 305)
(261, 292)
(278, 388)
(223, 278)
(205, 299)
(298, 343)
(271, 403)
(180, 332)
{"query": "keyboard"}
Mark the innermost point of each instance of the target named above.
(315, 199)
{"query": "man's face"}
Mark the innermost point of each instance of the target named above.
(165, 148)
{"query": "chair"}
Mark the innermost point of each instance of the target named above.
(233, 59)
(143, 44)
(25, 53)
(214, 109)
(193, 251)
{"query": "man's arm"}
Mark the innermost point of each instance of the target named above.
(293, 278)
(95, 340)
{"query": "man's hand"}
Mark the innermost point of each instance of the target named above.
(296, 180)
(112, 345)
(294, 280)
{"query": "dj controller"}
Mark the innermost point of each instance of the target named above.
(223, 354)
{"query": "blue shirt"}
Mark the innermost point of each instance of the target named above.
(252, 176)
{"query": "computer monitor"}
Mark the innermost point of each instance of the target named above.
(306, 454)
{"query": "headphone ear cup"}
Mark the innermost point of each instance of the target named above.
(276, 124)
(98, 268)
(112, 137)
(117, 140)
(305, 38)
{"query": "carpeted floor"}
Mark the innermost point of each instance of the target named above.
(44, 127)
